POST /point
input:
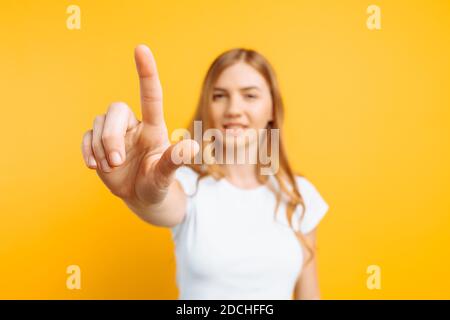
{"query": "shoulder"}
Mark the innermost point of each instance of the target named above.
(315, 205)
(305, 186)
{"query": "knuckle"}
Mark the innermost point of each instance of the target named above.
(152, 98)
(99, 119)
(118, 105)
(108, 139)
(86, 138)
(97, 146)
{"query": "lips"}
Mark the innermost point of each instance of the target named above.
(234, 126)
(234, 129)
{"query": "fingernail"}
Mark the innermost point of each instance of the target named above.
(115, 158)
(105, 165)
(92, 162)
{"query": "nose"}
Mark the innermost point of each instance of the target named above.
(233, 109)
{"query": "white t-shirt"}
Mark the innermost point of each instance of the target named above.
(230, 246)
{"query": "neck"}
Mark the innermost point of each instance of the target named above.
(242, 175)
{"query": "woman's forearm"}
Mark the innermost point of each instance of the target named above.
(167, 213)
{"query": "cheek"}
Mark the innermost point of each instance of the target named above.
(216, 113)
(261, 114)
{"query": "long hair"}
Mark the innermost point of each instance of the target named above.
(287, 187)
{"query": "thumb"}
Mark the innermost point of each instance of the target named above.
(174, 157)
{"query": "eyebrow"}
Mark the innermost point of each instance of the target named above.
(242, 89)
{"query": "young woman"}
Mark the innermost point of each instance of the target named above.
(239, 233)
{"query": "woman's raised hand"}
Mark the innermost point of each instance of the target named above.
(135, 159)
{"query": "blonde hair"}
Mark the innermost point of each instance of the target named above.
(284, 176)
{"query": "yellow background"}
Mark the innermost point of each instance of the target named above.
(367, 122)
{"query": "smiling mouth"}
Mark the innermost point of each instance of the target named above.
(234, 126)
(234, 129)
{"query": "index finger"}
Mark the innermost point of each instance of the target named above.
(151, 91)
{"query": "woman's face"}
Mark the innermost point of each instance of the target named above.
(241, 102)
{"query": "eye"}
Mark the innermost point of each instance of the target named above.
(218, 96)
(251, 96)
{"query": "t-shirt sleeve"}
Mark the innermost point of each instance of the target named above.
(187, 178)
(188, 181)
(315, 207)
